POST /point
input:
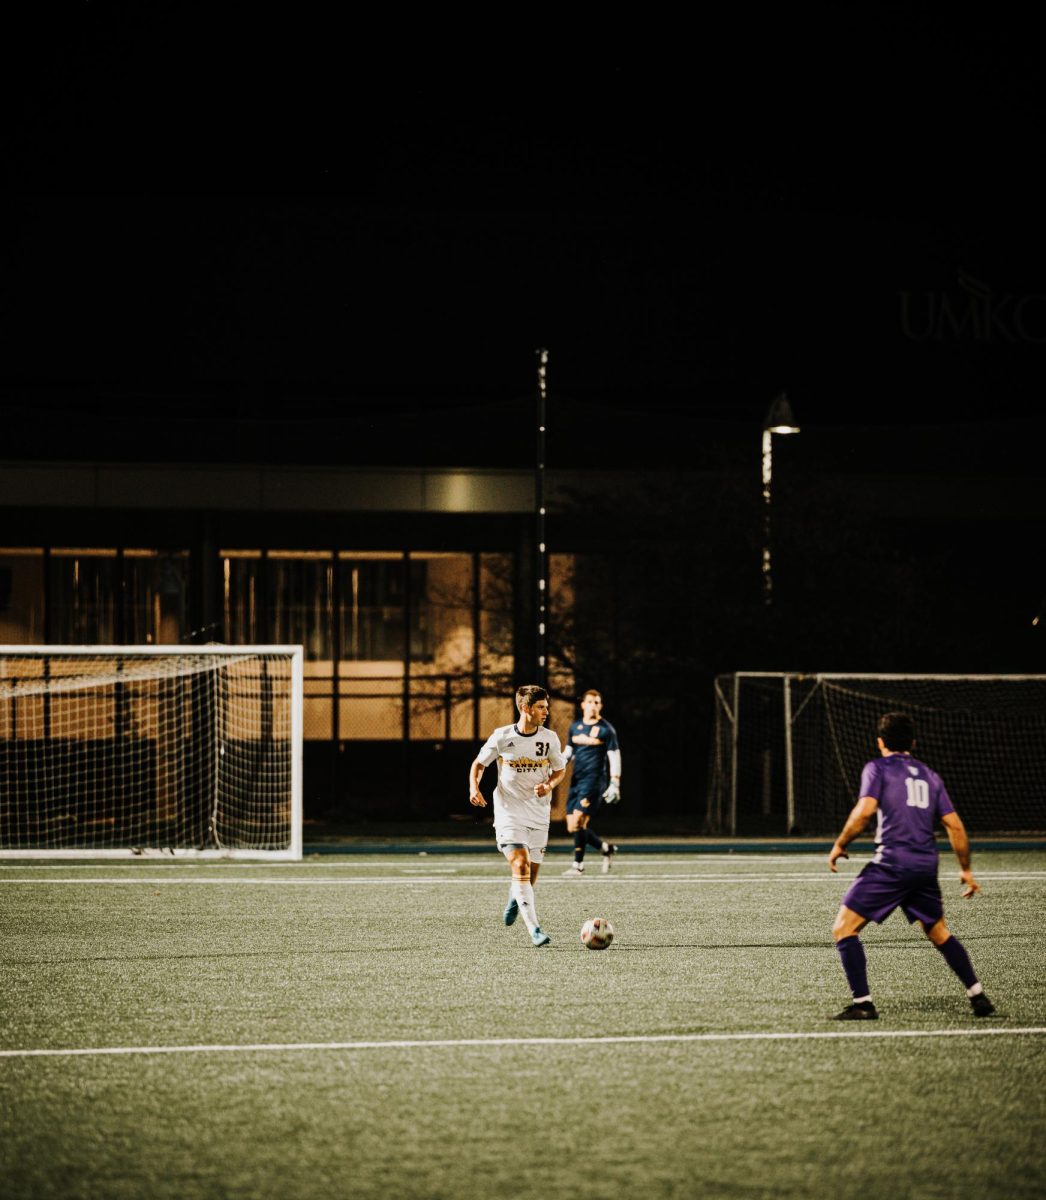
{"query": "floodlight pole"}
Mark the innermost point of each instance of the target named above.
(541, 551)
(768, 473)
(778, 420)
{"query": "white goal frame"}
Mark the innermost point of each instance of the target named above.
(293, 852)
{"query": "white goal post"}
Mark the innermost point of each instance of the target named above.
(123, 751)
(788, 748)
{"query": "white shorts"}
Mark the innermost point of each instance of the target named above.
(534, 838)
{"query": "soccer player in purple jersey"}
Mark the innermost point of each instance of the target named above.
(909, 799)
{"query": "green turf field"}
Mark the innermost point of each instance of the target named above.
(366, 1027)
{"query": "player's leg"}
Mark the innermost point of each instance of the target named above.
(522, 890)
(537, 841)
(845, 930)
(954, 954)
(577, 827)
(606, 849)
(509, 840)
(521, 893)
(872, 896)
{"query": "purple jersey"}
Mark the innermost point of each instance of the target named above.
(912, 799)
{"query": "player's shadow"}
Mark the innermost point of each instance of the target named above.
(940, 1008)
(912, 942)
(720, 946)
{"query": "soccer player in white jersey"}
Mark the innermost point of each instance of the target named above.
(530, 764)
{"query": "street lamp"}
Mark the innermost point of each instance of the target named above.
(541, 551)
(780, 419)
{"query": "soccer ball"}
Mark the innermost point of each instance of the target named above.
(597, 933)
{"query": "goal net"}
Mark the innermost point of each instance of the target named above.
(119, 750)
(787, 749)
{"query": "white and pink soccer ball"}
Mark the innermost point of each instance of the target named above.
(597, 933)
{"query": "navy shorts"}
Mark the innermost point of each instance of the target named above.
(586, 789)
(879, 889)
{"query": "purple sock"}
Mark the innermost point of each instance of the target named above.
(854, 964)
(956, 957)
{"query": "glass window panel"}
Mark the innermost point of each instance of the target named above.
(430, 706)
(496, 612)
(84, 586)
(373, 609)
(300, 598)
(21, 597)
(561, 649)
(370, 703)
(156, 591)
(317, 702)
(497, 705)
(443, 658)
(241, 597)
(300, 593)
(442, 595)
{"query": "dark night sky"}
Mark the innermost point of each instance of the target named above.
(276, 225)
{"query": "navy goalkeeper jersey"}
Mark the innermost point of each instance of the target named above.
(590, 762)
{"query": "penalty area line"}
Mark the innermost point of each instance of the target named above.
(485, 1043)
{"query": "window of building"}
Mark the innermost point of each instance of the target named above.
(83, 589)
(22, 596)
(373, 616)
(300, 592)
(106, 597)
(373, 606)
(155, 595)
(414, 645)
(442, 657)
(242, 597)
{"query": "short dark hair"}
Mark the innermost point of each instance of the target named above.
(897, 731)
(529, 694)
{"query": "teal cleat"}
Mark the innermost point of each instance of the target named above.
(539, 938)
(511, 912)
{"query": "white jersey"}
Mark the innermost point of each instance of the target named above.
(524, 761)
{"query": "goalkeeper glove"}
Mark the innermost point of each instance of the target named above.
(613, 793)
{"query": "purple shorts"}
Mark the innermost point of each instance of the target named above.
(879, 889)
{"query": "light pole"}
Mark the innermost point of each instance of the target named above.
(780, 419)
(541, 553)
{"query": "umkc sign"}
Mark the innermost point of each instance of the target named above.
(973, 312)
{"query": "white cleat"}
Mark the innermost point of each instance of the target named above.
(575, 871)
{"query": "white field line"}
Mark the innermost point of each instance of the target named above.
(350, 862)
(488, 1043)
(499, 880)
(716, 863)
(414, 880)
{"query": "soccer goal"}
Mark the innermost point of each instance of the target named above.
(110, 751)
(787, 748)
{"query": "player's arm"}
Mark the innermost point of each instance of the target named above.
(545, 787)
(476, 797)
(613, 793)
(861, 813)
(956, 832)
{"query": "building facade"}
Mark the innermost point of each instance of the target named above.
(411, 592)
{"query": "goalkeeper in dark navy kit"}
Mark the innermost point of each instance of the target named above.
(592, 745)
